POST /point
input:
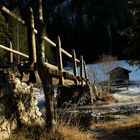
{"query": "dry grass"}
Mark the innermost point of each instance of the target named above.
(62, 132)
(127, 129)
(127, 123)
(73, 133)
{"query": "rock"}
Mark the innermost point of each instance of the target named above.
(4, 135)
(17, 96)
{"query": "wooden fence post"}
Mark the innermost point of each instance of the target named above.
(86, 74)
(74, 65)
(11, 53)
(81, 70)
(32, 45)
(31, 38)
(59, 61)
(44, 74)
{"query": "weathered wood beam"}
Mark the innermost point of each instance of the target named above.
(59, 60)
(4, 9)
(86, 73)
(69, 76)
(11, 53)
(14, 51)
(51, 66)
(74, 65)
(31, 37)
(55, 73)
(44, 75)
(81, 70)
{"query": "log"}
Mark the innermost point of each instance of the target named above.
(69, 76)
(81, 70)
(4, 9)
(55, 73)
(42, 69)
(14, 51)
(31, 37)
(11, 53)
(86, 73)
(59, 60)
(74, 65)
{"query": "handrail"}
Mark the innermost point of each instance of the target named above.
(56, 71)
(14, 51)
(27, 56)
(4, 9)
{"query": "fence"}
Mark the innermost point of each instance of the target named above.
(55, 71)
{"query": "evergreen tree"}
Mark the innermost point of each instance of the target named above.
(18, 35)
(132, 33)
(4, 35)
(4, 38)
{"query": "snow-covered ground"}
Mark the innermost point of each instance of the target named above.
(123, 96)
(102, 68)
(130, 96)
(40, 96)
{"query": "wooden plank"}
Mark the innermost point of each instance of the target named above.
(70, 76)
(74, 65)
(31, 37)
(55, 73)
(68, 54)
(51, 66)
(86, 73)
(11, 53)
(81, 70)
(54, 45)
(46, 39)
(14, 51)
(59, 60)
(4, 9)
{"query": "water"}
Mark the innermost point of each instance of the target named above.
(84, 116)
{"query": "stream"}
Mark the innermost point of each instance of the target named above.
(127, 105)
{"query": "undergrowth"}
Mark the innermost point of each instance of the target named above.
(67, 128)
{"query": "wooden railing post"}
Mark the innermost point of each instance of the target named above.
(86, 73)
(74, 65)
(59, 61)
(11, 53)
(81, 70)
(31, 38)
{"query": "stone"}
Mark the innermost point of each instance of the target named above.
(4, 135)
(17, 96)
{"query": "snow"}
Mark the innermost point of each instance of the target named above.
(123, 96)
(101, 70)
(40, 96)
(132, 95)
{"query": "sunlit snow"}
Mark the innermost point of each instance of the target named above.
(123, 96)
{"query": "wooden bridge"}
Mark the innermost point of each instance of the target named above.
(55, 71)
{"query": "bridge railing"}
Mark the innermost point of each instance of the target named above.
(55, 71)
